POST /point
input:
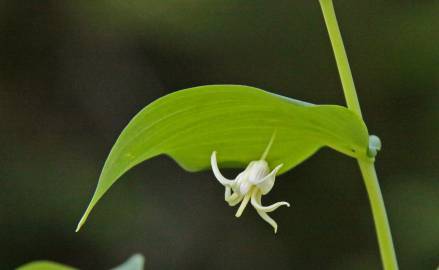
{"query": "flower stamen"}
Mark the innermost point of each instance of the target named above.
(243, 204)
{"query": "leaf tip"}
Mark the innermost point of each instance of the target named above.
(84, 217)
(81, 222)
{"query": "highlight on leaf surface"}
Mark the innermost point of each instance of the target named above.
(188, 125)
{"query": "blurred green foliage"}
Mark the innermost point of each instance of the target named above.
(73, 74)
(135, 262)
(44, 265)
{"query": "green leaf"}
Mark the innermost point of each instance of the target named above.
(135, 262)
(45, 265)
(236, 121)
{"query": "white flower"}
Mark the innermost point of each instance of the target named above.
(256, 180)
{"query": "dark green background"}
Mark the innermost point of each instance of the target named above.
(73, 73)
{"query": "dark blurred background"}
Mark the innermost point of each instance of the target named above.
(73, 73)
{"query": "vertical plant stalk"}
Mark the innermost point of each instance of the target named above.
(367, 168)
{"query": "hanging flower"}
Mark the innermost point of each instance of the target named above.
(256, 180)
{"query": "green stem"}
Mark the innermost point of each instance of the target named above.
(379, 215)
(367, 168)
(340, 56)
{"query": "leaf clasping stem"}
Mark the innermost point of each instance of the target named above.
(367, 167)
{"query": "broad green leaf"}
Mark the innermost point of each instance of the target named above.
(237, 122)
(45, 265)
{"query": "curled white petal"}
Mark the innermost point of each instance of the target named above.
(266, 217)
(235, 200)
(256, 202)
(224, 181)
(227, 194)
(232, 199)
(266, 184)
